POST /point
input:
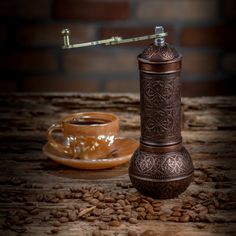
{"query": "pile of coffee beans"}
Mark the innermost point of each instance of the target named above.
(212, 174)
(110, 207)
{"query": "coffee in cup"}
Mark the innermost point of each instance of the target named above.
(87, 135)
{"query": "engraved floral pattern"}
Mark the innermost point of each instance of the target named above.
(158, 53)
(160, 107)
(162, 165)
(163, 175)
(145, 163)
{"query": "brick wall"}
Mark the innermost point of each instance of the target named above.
(31, 58)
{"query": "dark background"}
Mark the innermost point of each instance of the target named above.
(32, 60)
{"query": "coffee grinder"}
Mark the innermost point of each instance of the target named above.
(161, 167)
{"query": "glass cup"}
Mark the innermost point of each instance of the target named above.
(87, 135)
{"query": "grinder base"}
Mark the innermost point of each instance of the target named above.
(161, 175)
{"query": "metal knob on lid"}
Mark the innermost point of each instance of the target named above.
(159, 41)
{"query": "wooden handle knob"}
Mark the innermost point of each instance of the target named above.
(66, 37)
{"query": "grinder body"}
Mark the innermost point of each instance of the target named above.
(161, 167)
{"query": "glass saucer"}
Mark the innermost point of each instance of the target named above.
(123, 148)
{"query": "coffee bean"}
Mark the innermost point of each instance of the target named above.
(96, 233)
(125, 185)
(56, 224)
(100, 205)
(109, 200)
(176, 213)
(87, 194)
(87, 199)
(103, 226)
(64, 214)
(94, 201)
(121, 202)
(135, 204)
(114, 223)
(34, 211)
(156, 208)
(187, 206)
(184, 218)
(77, 195)
(127, 202)
(28, 220)
(127, 208)
(114, 217)
(133, 199)
(148, 233)
(163, 217)
(149, 199)
(40, 197)
(197, 173)
(219, 219)
(105, 218)
(203, 196)
(90, 218)
(201, 225)
(117, 206)
(60, 195)
(108, 211)
(141, 215)
(100, 197)
(63, 219)
(77, 206)
(55, 231)
(72, 216)
(140, 209)
(206, 202)
(120, 196)
(133, 221)
(199, 181)
(127, 213)
(113, 195)
(152, 217)
(122, 217)
(212, 211)
(202, 210)
(54, 200)
(57, 186)
(174, 219)
(119, 211)
(176, 208)
(156, 202)
(132, 233)
(209, 218)
(97, 212)
(96, 194)
(55, 213)
(46, 218)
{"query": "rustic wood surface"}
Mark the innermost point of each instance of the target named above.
(208, 130)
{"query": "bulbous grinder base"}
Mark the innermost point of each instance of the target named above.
(161, 175)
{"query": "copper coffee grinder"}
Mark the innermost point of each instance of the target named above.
(161, 167)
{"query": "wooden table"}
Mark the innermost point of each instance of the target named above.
(209, 133)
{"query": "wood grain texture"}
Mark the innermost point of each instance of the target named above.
(208, 130)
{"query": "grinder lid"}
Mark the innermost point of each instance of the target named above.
(159, 51)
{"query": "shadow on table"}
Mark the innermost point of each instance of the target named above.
(66, 172)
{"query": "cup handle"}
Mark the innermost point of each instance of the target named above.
(51, 140)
